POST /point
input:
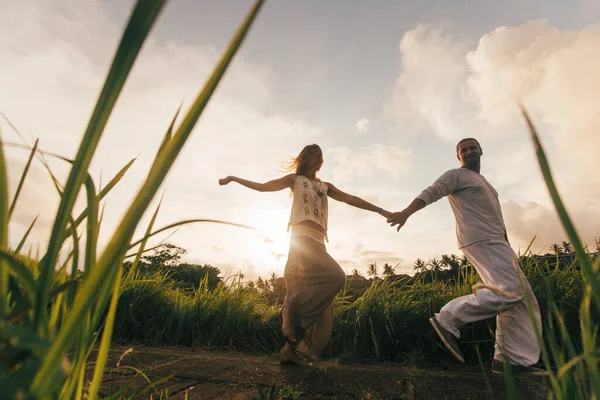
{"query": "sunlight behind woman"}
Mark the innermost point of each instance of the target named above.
(271, 220)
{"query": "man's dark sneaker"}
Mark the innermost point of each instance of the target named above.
(448, 339)
(498, 369)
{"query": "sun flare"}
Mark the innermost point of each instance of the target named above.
(272, 222)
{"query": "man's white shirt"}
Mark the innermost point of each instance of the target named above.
(474, 203)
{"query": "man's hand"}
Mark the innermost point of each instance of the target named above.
(226, 180)
(398, 218)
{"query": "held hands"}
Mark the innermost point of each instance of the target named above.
(398, 218)
(226, 180)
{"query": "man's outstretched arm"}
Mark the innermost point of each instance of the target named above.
(443, 186)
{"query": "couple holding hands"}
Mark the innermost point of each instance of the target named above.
(313, 278)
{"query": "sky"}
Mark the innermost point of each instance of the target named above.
(385, 88)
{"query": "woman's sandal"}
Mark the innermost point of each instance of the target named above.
(291, 357)
(304, 352)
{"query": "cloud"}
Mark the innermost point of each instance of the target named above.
(362, 126)
(430, 92)
(526, 220)
(346, 263)
(553, 72)
(369, 162)
(380, 257)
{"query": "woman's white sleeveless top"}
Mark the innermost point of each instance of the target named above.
(310, 202)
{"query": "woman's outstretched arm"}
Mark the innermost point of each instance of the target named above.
(274, 185)
(355, 201)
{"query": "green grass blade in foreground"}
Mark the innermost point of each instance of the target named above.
(105, 341)
(168, 135)
(41, 157)
(4, 220)
(141, 21)
(138, 256)
(113, 182)
(568, 225)
(26, 235)
(191, 221)
(103, 274)
(75, 265)
(22, 180)
(92, 226)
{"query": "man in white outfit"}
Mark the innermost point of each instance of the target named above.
(482, 238)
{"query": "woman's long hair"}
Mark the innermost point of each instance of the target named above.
(307, 163)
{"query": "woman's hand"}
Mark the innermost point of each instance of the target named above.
(385, 213)
(226, 180)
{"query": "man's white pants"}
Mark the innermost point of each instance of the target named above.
(498, 266)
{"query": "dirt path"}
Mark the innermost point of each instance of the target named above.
(206, 374)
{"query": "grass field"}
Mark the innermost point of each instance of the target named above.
(385, 321)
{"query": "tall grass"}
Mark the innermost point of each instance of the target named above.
(574, 370)
(50, 313)
(386, 322)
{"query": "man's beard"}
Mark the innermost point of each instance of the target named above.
(472, 161)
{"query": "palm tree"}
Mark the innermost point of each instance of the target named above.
(567, 247)
(451, 262)
(388, 270)
(436, 267)
(420, 266)
(556, 248)
(446, 261)
(372, 271)
(454, 259)
(356, 273)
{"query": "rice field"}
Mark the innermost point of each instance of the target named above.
(53, 313)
